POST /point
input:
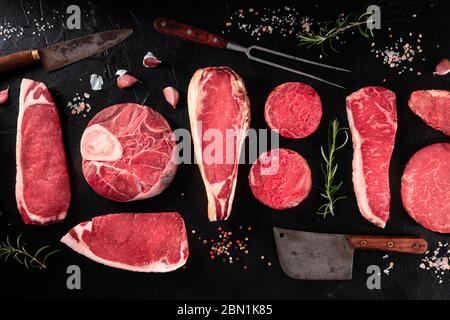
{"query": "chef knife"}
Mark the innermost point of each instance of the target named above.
(321, 256)
(65, 53)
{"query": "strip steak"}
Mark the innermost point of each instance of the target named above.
(42, 180)
(373, 123)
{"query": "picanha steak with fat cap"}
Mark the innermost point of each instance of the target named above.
(372, 117)
(42, 180)
(142, 242)
(128, 152)
(433, 107)
(219, 113)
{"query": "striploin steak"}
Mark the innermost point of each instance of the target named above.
(142, 242)
(128, 152)
(372, 117)
(426, 187)
(219, 113)
(433, 107)
(42, 180)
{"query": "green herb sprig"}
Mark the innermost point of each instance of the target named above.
(19, 253)
(332, 29)
(329, 168)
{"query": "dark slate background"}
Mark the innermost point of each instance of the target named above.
(203, 279)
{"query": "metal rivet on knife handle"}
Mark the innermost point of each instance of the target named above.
(416, 246)
(390, 244)
(363, 243)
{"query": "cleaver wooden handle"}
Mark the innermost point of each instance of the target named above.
(188, 33)
(18, 60)
(394, 244)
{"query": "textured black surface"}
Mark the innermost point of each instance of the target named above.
(203, 278)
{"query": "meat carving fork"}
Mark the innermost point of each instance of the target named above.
(189, 33)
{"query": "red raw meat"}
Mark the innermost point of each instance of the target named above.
(42, 180)
(280, 179)
(426, 187)
(433, 107)
(293, 110)
(142, 242)
(218, 105)
(128, 153)
(373, 122)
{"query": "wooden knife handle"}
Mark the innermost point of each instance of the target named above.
(186, 32)
(394, 244)
(18, 60)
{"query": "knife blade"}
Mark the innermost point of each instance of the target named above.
(321, 256)
(65, 53)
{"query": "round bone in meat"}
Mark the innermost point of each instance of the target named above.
(128, 153)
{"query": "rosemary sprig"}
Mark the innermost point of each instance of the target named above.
(329, 169)
(20, 254)
(332, 29)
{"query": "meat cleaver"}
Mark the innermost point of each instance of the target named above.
(65, 53)
(321, 256)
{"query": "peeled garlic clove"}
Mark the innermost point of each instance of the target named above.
(171, 94)
(150, 61)
(442, 68)
(96, 82)
(4, 94)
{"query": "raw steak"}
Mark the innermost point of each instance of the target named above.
(433, 107)
(219, 112)
(42, 180)
(293, 110)
(143, 242)
(373, 122)
(128, 153)
(426, 187)
(280, 179)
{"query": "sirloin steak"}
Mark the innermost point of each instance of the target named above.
(433, 107)
(219, 113)
(372, 117)
(426, 187)
(128, 152)
(143, 242)
(42, 180)
(293, 110)
(280, 179)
